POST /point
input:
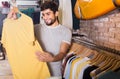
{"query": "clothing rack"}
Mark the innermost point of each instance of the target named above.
(95, 46)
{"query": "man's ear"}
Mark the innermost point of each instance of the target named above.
(56, 13)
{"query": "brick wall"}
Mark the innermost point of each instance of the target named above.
(104, 30)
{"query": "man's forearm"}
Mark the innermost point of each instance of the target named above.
(59, 57)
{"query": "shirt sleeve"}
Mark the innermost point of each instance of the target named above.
(67, 36)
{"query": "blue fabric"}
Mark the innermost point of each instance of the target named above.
(34, 15)
(67, 75)
(28, 11)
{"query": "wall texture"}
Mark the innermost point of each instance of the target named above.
(104, 30)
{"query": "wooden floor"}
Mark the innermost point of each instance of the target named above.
(5, 70)
(6, 77)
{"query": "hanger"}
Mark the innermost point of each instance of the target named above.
(117, 66)
(99, 69)
(104, 66)
(79, 49)
(108, 63)
(89, 53)
(95, 58)
(14, 8)
(100, 60)
(74, 47)
(84, 52)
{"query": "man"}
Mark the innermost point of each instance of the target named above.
(54, 38)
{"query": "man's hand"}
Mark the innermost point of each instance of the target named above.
(12, 15)
(44, 57)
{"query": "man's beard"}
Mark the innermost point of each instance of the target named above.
(52, 22)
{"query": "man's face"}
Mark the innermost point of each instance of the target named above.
(49, 17)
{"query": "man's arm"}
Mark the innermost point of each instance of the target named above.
(63, 51)
(47, 57)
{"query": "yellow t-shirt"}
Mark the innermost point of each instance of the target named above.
(72, 66)
(20, 44)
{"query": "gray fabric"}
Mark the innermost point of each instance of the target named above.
(50, 39)
(2, 17)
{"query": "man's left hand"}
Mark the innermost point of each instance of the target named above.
(44, 57)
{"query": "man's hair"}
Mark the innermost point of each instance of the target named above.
(49, 5)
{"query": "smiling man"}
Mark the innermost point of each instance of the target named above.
(54, 38)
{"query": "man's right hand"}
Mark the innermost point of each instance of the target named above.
(12, 15)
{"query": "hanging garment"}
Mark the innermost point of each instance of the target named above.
(20, 44)
(36, 17)
(68, 66)
(2, 17)
(110, 75)
(65, 13)
(86, 74)
(80, 66)
(76, 21)
(72, 67)
(64, 62)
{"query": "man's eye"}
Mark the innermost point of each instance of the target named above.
(43, 15)
(48, 14)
